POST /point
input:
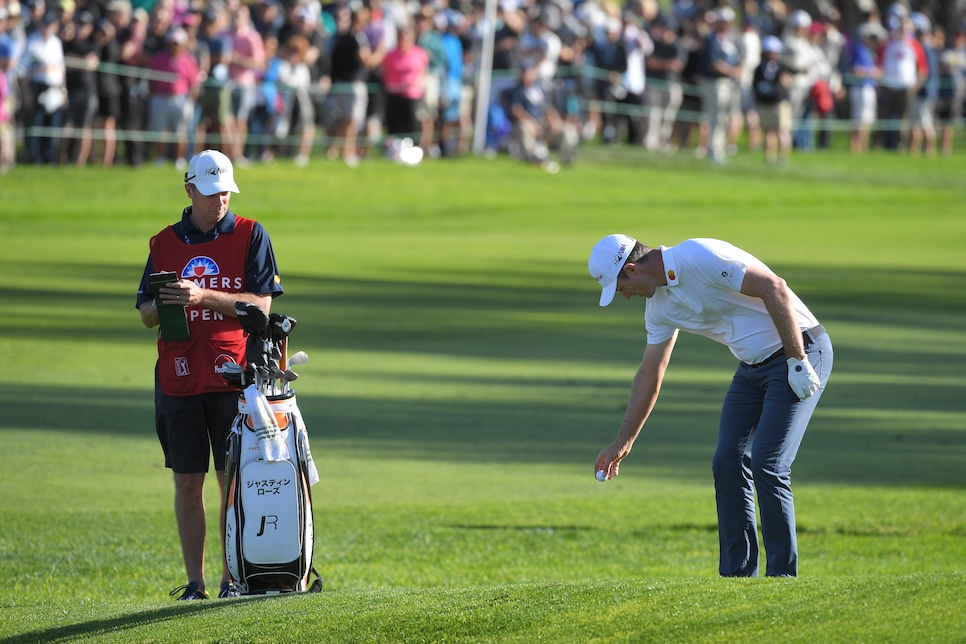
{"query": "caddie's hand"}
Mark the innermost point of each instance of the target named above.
(802, 378)
(183, 293)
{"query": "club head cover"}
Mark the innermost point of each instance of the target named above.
(280, 326)
(256, 352)
(252, 317)
(236, 380)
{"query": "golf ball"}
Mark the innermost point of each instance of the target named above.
(601, 476)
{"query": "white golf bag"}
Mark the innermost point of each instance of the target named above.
(269, 471)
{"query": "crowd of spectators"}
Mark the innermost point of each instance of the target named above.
(135, 81)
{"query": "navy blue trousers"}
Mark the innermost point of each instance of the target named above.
(762, 426)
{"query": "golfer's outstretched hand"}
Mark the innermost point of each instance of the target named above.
(610, 458)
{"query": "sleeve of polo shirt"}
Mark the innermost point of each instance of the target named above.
(262, 274)
(721, 265)
(658, 334)
(657, 326)
(145, 292)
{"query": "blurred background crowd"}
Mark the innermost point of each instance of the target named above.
(136, 81)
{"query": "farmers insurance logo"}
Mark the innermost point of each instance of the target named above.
(200, 267)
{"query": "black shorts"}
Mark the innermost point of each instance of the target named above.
(109, 106)
(944, 109)
(82, 109)
(192, 428)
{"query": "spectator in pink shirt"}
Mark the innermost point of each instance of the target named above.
(248, 62)
(403, 71)
(173, 92)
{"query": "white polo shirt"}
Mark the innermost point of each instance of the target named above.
(703, 297)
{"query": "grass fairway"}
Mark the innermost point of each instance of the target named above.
(461, 382)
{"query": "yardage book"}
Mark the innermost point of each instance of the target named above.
(174, 319)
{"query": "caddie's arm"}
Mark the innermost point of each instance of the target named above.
(644, 392)
(187, 293)
(149, 314)
(762, 283)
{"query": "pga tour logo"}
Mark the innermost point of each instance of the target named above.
(181, 367)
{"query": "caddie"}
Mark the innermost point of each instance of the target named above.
(711, 288)
(219, 259)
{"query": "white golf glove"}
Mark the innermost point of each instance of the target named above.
(802, 378)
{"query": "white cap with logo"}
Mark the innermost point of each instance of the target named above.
(606, 261)
(211, 172)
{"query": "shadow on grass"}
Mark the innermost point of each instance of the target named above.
(527, 312)
(879, 415)
(855, 437)
(100, 627)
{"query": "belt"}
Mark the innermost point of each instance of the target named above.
(808, 339)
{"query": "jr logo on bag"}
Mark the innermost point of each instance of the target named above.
(270, 521)
(277, 500)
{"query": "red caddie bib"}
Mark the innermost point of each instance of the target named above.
(195, 366)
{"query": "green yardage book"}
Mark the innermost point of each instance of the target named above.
(174, 319)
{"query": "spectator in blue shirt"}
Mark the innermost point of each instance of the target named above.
(722, 70)
(535, 121)
(860, 78)
(952, 64)
(451, 89)
(922, 136)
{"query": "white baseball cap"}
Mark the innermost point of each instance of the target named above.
(724, 14)
(800, 19)
(771, 44)
(176, 35)
(211, 172)
(606, 261)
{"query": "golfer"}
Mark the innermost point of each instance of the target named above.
(220, 258)
(711, 288)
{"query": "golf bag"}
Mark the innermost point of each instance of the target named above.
(269, 534)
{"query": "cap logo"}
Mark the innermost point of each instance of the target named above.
(619, 259)
(214, 172)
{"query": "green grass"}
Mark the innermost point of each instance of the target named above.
(461, 382)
